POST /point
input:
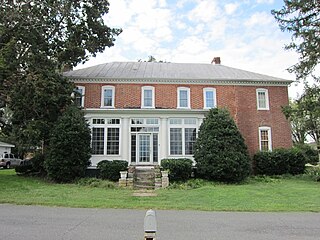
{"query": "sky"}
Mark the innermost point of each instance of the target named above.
(243, 33)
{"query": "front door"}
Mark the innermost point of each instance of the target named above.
(144, 148)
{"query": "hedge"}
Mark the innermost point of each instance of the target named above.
(278, 162)
(111, 169)
(180, 169)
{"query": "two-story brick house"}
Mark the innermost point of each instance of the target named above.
(143, 112)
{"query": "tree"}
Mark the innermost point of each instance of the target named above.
(220, 150)
(308, 110)
(69, 149)
(38, 39)
(151, 59)
(297, 120)
(302, 19)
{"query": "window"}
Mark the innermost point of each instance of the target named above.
(113, 137)
(209, 98)
(98, 141)
(79, 96)
(183, 97)
(265, 139)
(107, 99)
(147, 98)
(106, 136)
(262, 99)
(183, 134)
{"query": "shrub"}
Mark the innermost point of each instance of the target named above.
(69, 147)
(111, 169)
(96, 183)
(24, 168)
(180, 169)
(313, 171)
(310, 154)
(220, 150)
(278, 162)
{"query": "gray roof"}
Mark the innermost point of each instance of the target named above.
(173, 71)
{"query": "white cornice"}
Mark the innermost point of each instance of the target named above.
(240, 82)
(145, 111)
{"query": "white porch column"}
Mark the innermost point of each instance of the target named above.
(163, 138)
(125, 139)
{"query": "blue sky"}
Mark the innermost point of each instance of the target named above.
(243, 33)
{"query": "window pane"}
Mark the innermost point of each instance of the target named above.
(175, 141)
(78, 97)
(155, 147)
(190, 139)
(108, 97)
(97, 140)
(133, 148)
(147, 98)
(209, 99)
(262, 100)
(113, 141)
(264, 140)
(183, 98)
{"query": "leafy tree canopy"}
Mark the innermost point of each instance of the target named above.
(302, 19)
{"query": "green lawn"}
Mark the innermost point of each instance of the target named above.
(274, 195)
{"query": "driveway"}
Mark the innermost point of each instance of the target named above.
(46, 223)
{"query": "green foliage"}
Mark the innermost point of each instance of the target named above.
(279, 162)
(301, 18)
(220, 150)
(310, 155)
(96, 183)
(190, 184)
(111, 169)
(69, 148)
(313, 171)
(180, 169)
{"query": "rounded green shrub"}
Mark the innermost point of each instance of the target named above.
(220, 150)
(179, 169)
(111, 169)
(69, 147)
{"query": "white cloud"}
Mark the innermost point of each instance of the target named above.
(265, 1)
(192, 45)
(259, 18)
(204, 11)
(231, 8)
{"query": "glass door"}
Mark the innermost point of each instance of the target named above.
(144, 146)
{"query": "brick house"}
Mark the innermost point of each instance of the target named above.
(143, 112)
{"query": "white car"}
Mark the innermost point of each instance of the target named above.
(8, 160)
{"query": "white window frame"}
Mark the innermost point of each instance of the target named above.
(178, 97)
(102, 96)
(269, 137)
(182, 125)
(205, 90)
(142, 96)
(83, 89)
(265, 91)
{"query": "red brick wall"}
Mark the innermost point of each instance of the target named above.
(240, 100)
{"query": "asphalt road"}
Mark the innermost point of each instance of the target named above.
(46, 223)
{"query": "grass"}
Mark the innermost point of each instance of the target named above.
(258, 194)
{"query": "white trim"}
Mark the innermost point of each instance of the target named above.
(188, 96)
(107, 87)
(142, 96)
(265, 91)
(264, 128)
(205, 90)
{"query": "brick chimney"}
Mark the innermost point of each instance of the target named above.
(216, 60)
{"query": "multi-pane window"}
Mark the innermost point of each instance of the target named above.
(183, 134)
(209, 98)
(98, 141)
(147, 97)
(176, 141)
(262, 99)
(265, 139)
(105, 136)
(113, 137)
(107, 99)
(183, 97)
(190, 139)
(79, 96)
